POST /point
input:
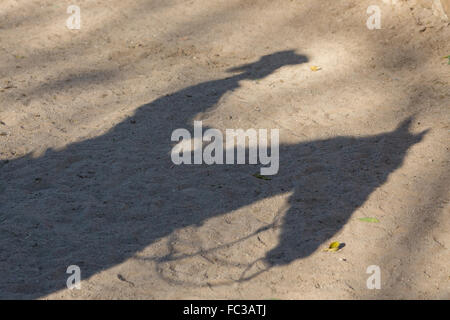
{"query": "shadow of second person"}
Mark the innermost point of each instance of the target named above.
(331, 179)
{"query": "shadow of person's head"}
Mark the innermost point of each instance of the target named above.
(268, 64)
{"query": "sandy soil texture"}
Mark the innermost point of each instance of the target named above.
(86, 178)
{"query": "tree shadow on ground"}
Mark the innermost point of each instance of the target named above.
(98, 202)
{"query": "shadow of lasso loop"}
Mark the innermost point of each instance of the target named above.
(211, 257)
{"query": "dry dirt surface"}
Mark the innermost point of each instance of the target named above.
(86, 177)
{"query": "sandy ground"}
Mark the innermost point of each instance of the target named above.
(86, 177)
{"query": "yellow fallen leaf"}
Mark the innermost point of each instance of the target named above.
(334, 246)
(315, 68)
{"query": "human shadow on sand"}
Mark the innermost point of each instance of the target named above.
(99, 201)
